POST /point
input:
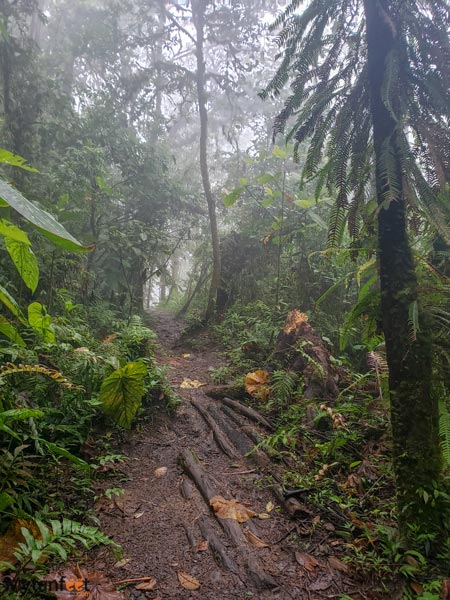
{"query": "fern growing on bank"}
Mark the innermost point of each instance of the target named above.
(444, 430)
(283, 385)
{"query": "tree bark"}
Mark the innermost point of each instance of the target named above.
(198, 15)
(414, 410)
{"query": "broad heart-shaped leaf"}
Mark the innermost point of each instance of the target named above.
(14, 160)
(40, 218)
(121, 393)
(25, 262)
(11, 332)
(12, 305)
(41, 321)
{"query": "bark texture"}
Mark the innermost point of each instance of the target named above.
(414, 411)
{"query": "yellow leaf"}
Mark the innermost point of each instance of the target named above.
(263, 516)
(185, 356)
(188, 582)
(255, 540)
(160, 471)
(191, 383)
(231, 509)
(270, 506)
(256, 382)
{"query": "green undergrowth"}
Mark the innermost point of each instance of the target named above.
(65, 406)
(336, 462)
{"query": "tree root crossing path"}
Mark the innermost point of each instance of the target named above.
(180, 476)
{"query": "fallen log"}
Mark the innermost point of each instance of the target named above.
(231, 527)
(239, 439)
(218, 549)
(249, 412)
(221, 439)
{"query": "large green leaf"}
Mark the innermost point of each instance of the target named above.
(14, 160)
(40, 218)
(25, 261)
(41, 321)
(121, 393)
(9, 331)
(12, 305)
(9, 230)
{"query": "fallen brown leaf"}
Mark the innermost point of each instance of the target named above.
(188, 582)
(255, 540)
(307, 561)
(75, 578)
(203, 546)
(122, 563)
(147, 585)
(231, 509)
(336, 564)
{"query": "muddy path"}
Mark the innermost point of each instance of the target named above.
(165, 523)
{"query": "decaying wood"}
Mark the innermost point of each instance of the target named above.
(221, 439)
(186, 488)
(240, 440)
(231, 527)
(244, 426)
(221, 391)
(299, 348)
(220, 553)
(248, 412)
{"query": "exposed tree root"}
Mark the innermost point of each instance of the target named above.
(221, 439)
(231, 527)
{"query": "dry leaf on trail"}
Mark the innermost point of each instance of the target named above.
(146, 585)
(186, 356)
(188, 582)
(263, 516)
(231, 509)
(335, 563)
(138, 515)
(122, 563)
(256, 383)
(80, 584)
(270, 506)
(191, 383)
(160, 471)
(203, 546)
(307, 561)
(255, 540)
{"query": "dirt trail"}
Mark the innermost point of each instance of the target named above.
(160, 521)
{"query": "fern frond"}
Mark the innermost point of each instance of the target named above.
(444, 430)
(13, 369)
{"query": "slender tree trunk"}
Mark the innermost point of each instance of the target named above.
(198, 14)
(414, 410)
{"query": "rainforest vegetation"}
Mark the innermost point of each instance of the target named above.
(224, 299)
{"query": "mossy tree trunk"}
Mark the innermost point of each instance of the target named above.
(414, 410)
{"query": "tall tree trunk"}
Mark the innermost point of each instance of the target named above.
(414, 410)
(198, 14)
